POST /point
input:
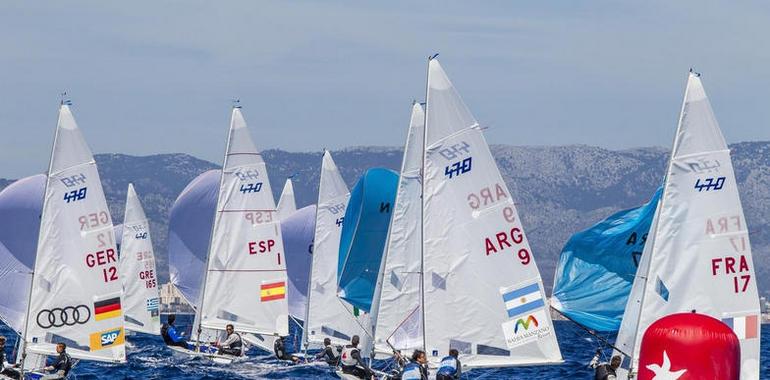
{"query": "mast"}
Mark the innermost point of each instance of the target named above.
(305, 342)
(422, 203)
(198, 316)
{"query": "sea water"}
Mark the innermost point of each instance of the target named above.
(148, 358)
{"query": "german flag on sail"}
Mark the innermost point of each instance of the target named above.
(106, 309)
(272, 291)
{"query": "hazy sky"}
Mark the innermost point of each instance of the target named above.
(158, 76)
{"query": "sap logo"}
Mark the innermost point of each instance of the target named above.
(251, 188)
(74, 180)
(75, 195)
(458, 168)
(247, 174)
(710, 184)
(109, 337)
(456, 151)
(525, 323)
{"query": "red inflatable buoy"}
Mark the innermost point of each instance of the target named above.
(689, 346)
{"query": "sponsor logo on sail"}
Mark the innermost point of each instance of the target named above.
(108, 308)
(528, 321)
(63, 316)
(106, 339)
(525, 323)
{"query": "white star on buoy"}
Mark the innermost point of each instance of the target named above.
(664, 372)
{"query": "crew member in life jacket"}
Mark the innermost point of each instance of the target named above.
(279, 347)
(330, 353)
(352, 364)
(8, 370)
(170, 336)
(417, 369)
(61, 366)
(232, 345)
(450, 367)
(605, 371)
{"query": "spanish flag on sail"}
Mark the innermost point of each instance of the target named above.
(108, 308)
(273, 291)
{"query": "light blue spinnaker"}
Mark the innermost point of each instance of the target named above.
(364, 232)
(597, 267)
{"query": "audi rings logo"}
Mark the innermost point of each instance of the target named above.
(63, 316)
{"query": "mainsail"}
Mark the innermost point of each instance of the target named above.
(483, 294)
(698, 255)
(327, 315)
(286, 203)
(141, 295)
(396, 307)
(245, 280)
(76, 268)
(363, 236)
(597, 267)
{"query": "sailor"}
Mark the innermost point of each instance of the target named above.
(232, 345)
(279, 347)
(352, 364)
(61, 366)
(8, 370)
(450, 367)
(417, 369)
(330, 354)
(169, 334)
(606, 371)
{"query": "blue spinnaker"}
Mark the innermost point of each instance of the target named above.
(597, 267)
(364, 232)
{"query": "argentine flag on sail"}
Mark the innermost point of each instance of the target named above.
(523, 299)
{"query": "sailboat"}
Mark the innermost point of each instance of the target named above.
(480, 290)
(328, 316)
(697, 256)
(396, 315)
(286, 203)
(76, 270)
(141, 295)
(246, 253)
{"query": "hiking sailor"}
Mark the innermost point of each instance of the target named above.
(169, 334)
(232, 345)
(352, 363)
(330, 354)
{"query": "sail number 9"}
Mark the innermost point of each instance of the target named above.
(506, 239)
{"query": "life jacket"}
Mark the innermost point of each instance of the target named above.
(278, 348)
(238, 344)
(411, 372)
(66, 363)
(448, 366)
(347, 356)
(164, 334)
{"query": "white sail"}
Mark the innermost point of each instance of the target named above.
(286, 204)
(76, 269)
(483, 294)
(698, 256)
(327, 315)
(245, 281)
(397, 311)
(141, 294)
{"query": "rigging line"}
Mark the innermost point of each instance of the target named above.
(356, 319)
(601, 338)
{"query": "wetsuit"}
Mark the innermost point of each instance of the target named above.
(605, 371)
(171, 337)
(61, 366)
(352, 364)
(233, 345)
(7, 368)
(330, 354)
(449, 369)
(280, 351)
(414, 371)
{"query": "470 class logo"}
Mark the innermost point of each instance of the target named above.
(525, 323)
(106, 339)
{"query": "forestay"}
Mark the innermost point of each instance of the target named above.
(698, 255)
(327, 315)
(286, 203)
(189, 231)
(76, 268)
(141, 297)
(396, 309)
(483, 294)
(363, 237)
(597, 267)
(20, 206)
(245, 281)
